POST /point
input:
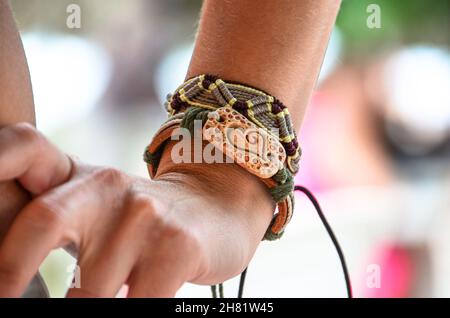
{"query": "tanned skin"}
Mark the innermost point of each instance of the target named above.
(16, 105)
(197, 223)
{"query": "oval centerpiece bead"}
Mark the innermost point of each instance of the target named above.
(251, 147)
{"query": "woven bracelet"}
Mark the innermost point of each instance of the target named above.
(270, 149)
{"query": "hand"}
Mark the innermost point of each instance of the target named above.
(195, 223)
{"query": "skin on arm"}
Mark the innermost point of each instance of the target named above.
(277, 46)
(195, 222)
(16, 105)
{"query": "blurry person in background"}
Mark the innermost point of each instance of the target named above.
(386, 123)
(407, 91)
(193, 223)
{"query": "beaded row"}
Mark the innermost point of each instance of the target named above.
(209, 92)
(199, 96)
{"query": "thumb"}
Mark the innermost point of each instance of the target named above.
(26, 155)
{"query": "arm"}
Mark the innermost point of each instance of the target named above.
(16, 98)
(277, 46)
(16, 104)
(199, 223)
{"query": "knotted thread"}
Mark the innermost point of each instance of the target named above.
(283, 177)
(208, 92)
(200, 95)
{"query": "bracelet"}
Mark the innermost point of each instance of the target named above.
(246, 124)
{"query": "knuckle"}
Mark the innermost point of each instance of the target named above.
(144, 208)
(46, 214)
(173, 230)
(182, 237)
(109, 175)
(177, 243)
(162, 224)
(173, 242)
(27, 132)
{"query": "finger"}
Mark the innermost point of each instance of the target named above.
(105, 269)
(64, 215)
(13, 199)
(154, 281)
(34, 233)
(49, 221)
(168, 261)
(28, 156)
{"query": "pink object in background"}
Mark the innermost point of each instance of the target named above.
(306, 175)
(396, 269)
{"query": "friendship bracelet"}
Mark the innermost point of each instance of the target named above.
(259, 120)
(265, 122)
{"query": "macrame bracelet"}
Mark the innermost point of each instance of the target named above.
(220, 105)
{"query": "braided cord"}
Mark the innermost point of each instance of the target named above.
(200, 95)
(208, 92)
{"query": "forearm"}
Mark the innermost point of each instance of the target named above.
(16, 98)
(196, 222)
(277, 46)
(16, 104)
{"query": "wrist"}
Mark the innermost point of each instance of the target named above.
(12, 199)
(226, 180)
(252, 128)
(234, 203)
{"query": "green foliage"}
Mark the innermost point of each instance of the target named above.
(402, 22)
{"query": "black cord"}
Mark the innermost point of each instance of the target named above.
(214, 291)
(241, 283)
(331, 234)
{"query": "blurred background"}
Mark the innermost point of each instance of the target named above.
(375, 138)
